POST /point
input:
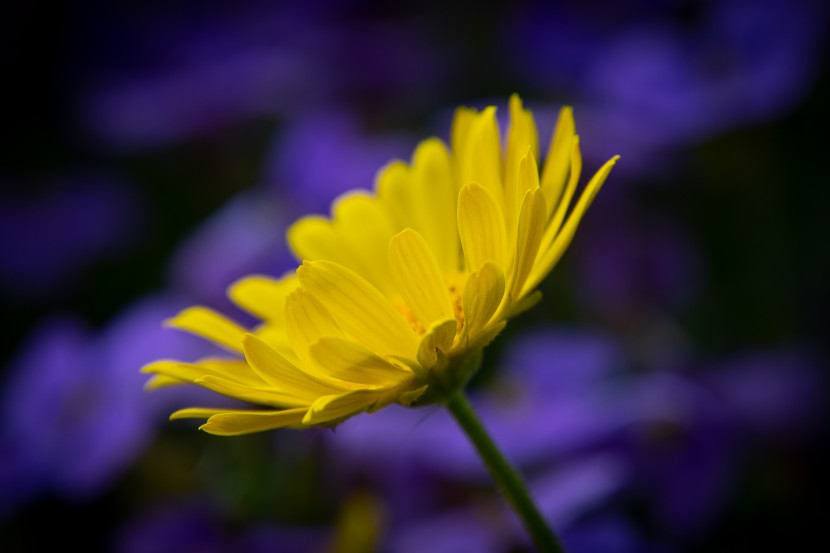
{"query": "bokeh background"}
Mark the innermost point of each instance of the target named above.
(668, 394)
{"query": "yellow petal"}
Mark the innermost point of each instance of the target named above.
(482, 339)
(162, 381)
(434, 201)
(263, 296)
(436, 342)
(314, 237)
(528, 177)
(335, 407)
(395, 189)
(555, 172)
(482, 295)
(462, 122)
(407, 398)
(306, 322)
(356, 237)
(527, 302)
(481, 158)
(560, 210)
(282, 374)
(261, 395)
(363, 223)
(351, 362)
(277, 337)
(547, 259)
(419, 277)
(481, 227)
(197, 413)
(361, 311)
(522, 140)
(209, 324)
(236, 370)
(530, 230)
(235, 423)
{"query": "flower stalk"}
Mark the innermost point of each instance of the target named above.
(507, 478)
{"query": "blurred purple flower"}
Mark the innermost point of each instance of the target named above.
(48, 239)
(563, 496)
(650, 78)
(196, 100)
(245, 237)
(199, 75)
(194, 76)
(552, 388)
(569, 411)
(197, 528)
(321, 156)
(74, 411)
(683, 449)
(777, 395)
(693, 430)
(655, 265)
(609, 534)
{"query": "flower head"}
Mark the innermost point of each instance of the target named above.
(400, 289)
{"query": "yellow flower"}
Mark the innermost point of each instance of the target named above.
(400, 289)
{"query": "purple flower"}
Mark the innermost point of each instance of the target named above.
(654, 265)
(323, 155)
(187, 77)
(570, 412)
(546, 413)
(650, 78)
(776, 396)
(47, 240)
(74, 410)
(684, 452)
(246, 235)
(196, 527)
(694, 431)
(489, 525)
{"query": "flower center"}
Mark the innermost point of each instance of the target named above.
(455, 287)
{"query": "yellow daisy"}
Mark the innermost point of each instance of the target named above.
(400, 289)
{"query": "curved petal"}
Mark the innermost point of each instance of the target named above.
(362, 222)
(335, 407)
(482, 296)
(395, 189)
(530, 230)
(558, 212)
(419, 277)
(547, 259)
(162, 381)
(436, 196)
(235, 423)
(481, 159)
(282, 374)
(481, 227)
(260, 395)
(436, 341)
(351, 362)
(307, 321)
(209, 324)
(236, 370)
(314, 237)
(359, 309)
(263, 296)
(522, 139)
(555, 171)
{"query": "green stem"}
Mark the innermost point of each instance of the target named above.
(508, 480)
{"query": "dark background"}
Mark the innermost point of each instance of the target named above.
(154, 154)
